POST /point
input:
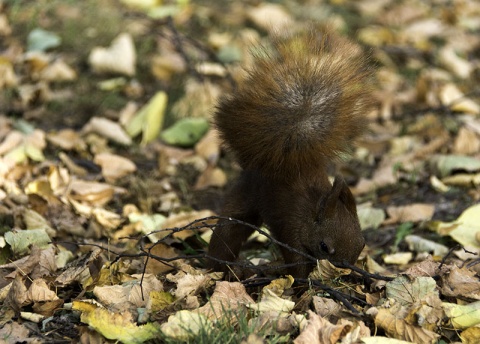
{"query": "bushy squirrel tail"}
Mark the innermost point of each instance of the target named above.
(301, 105)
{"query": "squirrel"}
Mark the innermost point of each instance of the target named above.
(299, 108)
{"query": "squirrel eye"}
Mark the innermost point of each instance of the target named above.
(324, 247)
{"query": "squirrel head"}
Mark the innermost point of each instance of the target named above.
(336, 233)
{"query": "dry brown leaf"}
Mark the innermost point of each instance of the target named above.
(108, 129)
(129, 295)
(94, 193)
(209, 147)
(414, 212)
(58, 71)
(48, 309)
(271, 322)
(81, 271)
(156, 267)
(270, 17)
(40, 292)
(326, 307)
(211, 177)
(385, 174)
(427, 268)
(39, 263)
(399, 329)
(8, 78)
(169, 62)
(16, 333)
(188, 284)
(319, 330)
(11, 141)
(182, 219)
(461, 283)
(108, 219)
(358, 333)
(39, 92)
(326, 270)
(17, 294)
(114, 166)
(67, 139)
(199, 100)
(227, 297)
(467, 142)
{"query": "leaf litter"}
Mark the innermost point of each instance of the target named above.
(108, 161)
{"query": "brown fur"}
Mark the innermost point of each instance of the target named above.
(299, 108)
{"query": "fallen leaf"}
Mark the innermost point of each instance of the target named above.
(400, 329)
(154, 265)
(463, 316)
(461, 283)
(108, 129)
(149, 119)
(67, 139)
(399, 258)
(407, 292)
(227, 297)
(92, 192)
(41, 40)
(270, 17)
(191, 285)
(410, 213)
(58, 71)
(320, 331)
(40, 292)
(447, 164)
(20, 240)
(451, 61)
(186, 325)
(185, 132)
(467, 142)
(211, 177)
(120, 57)
(114, 166)
(13, 332)
(452, 97)
(464, 229)
(370, 217)
(115, 326)
(419, 244)
(271, 302)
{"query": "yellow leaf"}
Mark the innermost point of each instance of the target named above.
(149, 119)
(159, 300)
(116, 326)
(464, 229)
(155, 114)
(463, 316)
(185, 325)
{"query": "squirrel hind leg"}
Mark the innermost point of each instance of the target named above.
(227, 241)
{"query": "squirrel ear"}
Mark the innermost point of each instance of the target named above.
(328, 204)
(339, 192)
(346, 196)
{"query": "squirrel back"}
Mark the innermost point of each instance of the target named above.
(300, 106)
